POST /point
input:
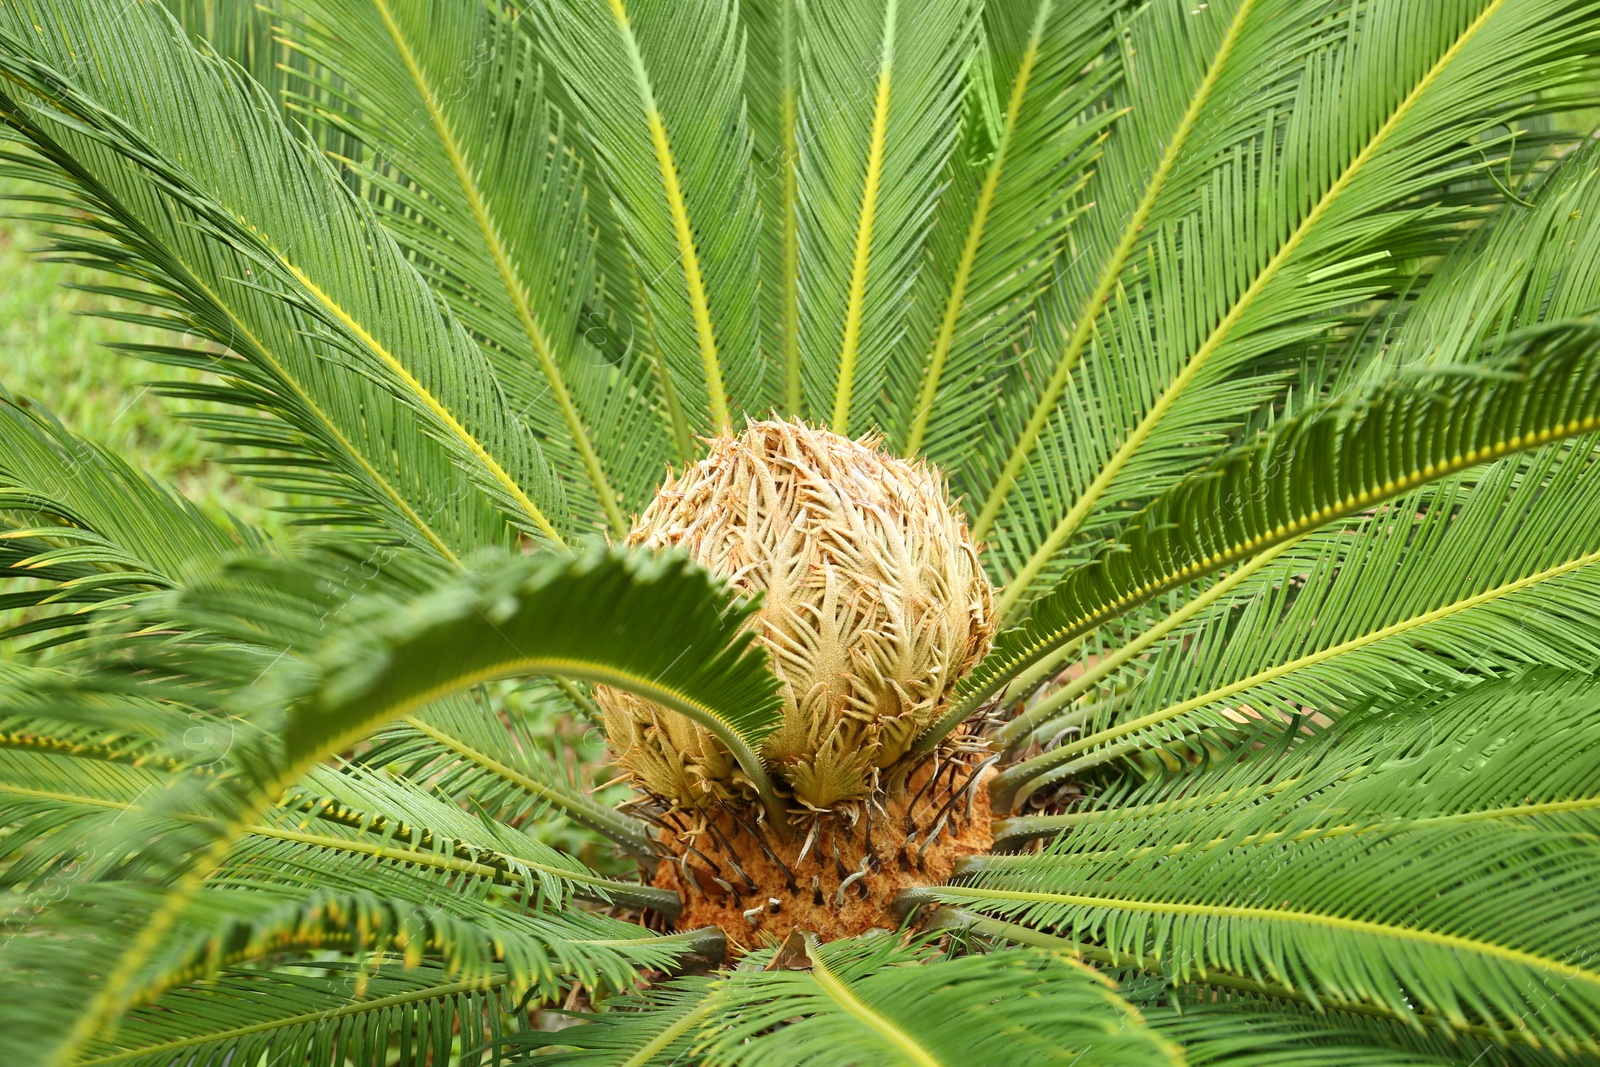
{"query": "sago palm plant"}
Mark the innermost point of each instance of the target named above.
(830, 532)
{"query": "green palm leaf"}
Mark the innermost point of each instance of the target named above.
(656, 88)
(1244, 1031)
(260, 275)
(592, 617)
(1366, 872)
(1487, 577)
(1036, 114)
(469, 754)
(877, 1002)
(1329, 463)
(346, 1014)
(881, 85)
(90, 530)
(493, 203)
(1243, 223)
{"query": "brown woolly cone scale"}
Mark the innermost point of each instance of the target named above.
(874, 607)
(833, 877)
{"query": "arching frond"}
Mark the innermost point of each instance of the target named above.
(1456, 582)
(358, 813)
(657, 89)
(1038, 113)
(263, 258)
(594, 617)
(344, 1013)
(1404, 859)
(881, 87)
(491, 204)
(1331, 462)
(466, 752)
(1284, 211)
(1243, 1031)
(91, 532)
(873, 1001)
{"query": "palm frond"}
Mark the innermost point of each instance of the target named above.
(343, 1014)
(871, 1000)
(1529, 264)
(464, 751)
(595, 617)
(1331, 462)
(394, 820)
(1404, 859)
(772, 97)
(657, 88)
(87, 529)
(1036, 118)
(366, 672)
(1287, 214)
(264, 258)
(1455, 583)
(491, 205)
(1362, 764)
(1244, 1030)
(881, 90)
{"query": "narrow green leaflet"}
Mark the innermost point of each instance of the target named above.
(1036, 118)
(1332, 149)
(491, 202)
(869, 1000)
(463, 750)
(342, 1016)
(1249, 1031)
(772, 96)
(396, 818)
(1460, 580)
(1535, 262)
(90, 530)
(1366, 867)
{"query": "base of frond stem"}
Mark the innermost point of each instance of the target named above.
(832, 876)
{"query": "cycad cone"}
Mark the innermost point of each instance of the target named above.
(874, 606)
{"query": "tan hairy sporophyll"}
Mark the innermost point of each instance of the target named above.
(873, 607)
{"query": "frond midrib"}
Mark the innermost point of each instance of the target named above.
(1106, 285)
(394, 1000)
(1227, 980)
(496, 471)
(857, 293)
(727, 732)
(955, 302)
(1041, 644)
(683, 229)
(626, 831)
(841, 994)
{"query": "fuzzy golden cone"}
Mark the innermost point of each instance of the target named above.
(874, 607)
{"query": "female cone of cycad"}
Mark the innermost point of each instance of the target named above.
(872, 608)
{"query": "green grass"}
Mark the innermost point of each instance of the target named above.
(52, 350)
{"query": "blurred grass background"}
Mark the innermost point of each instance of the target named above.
(52, 350)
